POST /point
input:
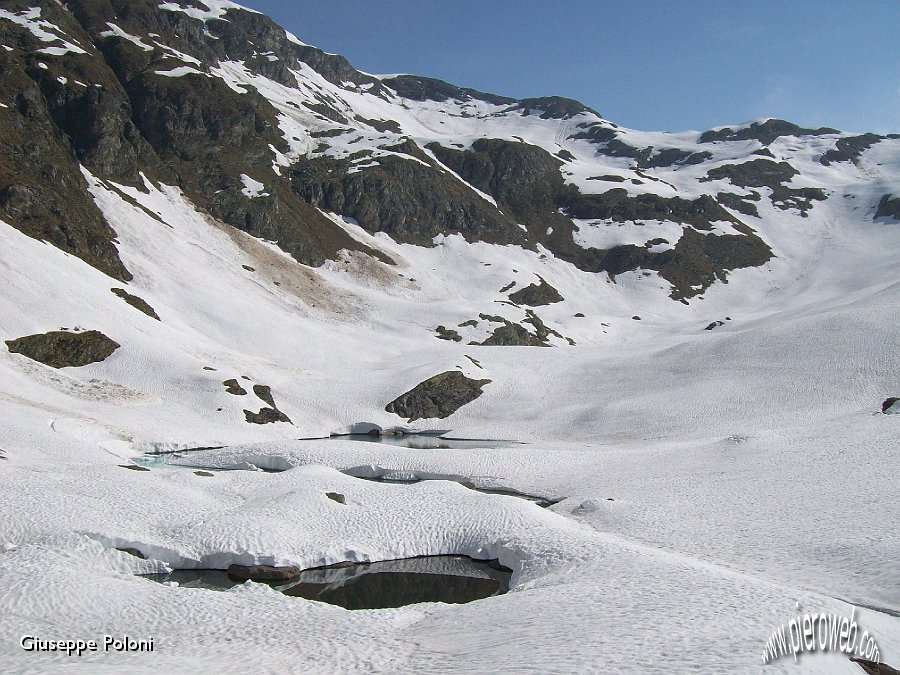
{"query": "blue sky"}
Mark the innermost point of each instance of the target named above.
(650, 64)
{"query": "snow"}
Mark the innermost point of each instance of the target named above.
(181, 56)
(252, 188)
(710, 480)
(115, 31)
(44, 31)
(605, 234)
(293, 38)
(180, 71)
(55, 51)
(231, 73)
(216, 9)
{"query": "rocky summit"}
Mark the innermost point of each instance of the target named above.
(225, 249)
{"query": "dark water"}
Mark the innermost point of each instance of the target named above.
(391, 583)
(426, 441)
(420, 441)
(543, 502)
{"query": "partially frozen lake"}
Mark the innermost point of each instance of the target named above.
(379, 585)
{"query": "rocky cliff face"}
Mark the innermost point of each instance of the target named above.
(266, 133)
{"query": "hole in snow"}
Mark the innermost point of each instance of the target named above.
(379, 585)
(423, 440)
(380, 475)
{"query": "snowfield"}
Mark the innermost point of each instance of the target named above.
(713, 483)
(748, 466)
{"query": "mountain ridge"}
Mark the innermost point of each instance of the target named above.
(204, 133)
(193, 115)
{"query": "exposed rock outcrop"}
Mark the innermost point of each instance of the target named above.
(536, 295)
(63, 349)
(234, 388)
(764, 132)
(138, 303)
(444, 333)
(267, 415)
(767, 173)
(849, 149)
(437, 397)
(888, 207)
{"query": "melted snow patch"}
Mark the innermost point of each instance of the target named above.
(723, 227)
(280, 160)
(234, 74)
(216, 9)
(252, 188)
(60, 51)
(115, 31)
(606, 234)
(181, 56)
(43, 31)
(180, 71)
(293, 38)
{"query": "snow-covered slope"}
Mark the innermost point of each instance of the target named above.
(706, 400)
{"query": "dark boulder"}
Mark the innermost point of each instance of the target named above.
(511, 334)
(136, 302)
(439, 396)
(890, 406)
(234, 388)
(266, 416)
(444, 333)
(264, 393)
(888, 207)
(62, 349)
(535, 295)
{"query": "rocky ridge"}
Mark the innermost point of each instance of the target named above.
(274, 137)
